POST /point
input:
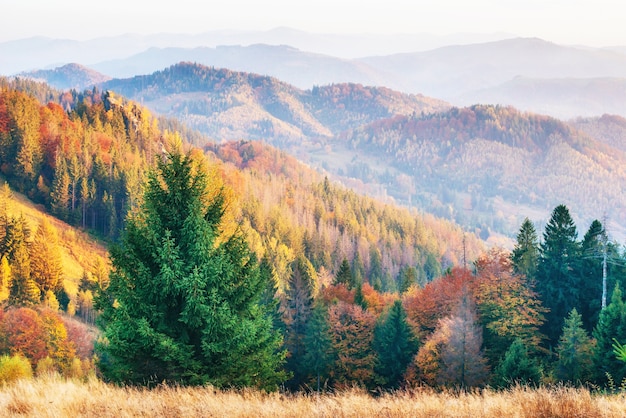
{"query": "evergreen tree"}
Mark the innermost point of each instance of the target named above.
(23, 290)
(45, 258)
(574, 351)
(611, 325)
(517, 367)
(557, 276)
(408, 278)
(182, 304)
(60, 193)
(297, 311)
(344, 275)
(592, 252)
(525, 255)
(359, 297)
(319, 356)
(395, 345)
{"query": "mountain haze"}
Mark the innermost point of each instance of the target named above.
(226, 104)
(487, 167)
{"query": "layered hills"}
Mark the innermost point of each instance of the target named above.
(487, 167)
(527, 73)
(86, 166)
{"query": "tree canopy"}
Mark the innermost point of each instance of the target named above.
(183, 300)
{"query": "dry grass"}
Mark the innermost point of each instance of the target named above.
(54, 397)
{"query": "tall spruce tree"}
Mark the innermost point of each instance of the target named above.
(593, 249)
(395, 345)
(611, 326)
(574, 350)
(23, 290)
(183, 300)
(525, 255)
(344, 275)
(297, 308)
(319, 356)
(558, 274)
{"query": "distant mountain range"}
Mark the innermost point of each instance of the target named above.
(528, 73)
(485, 166)
(45, 53)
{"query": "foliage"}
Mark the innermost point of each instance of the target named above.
(517, 367)
(611, 326)
(183, 301)
(452, 355)
(319, 356)
(14, 367)
(558, 281)
(395, 346)
(298, 306)
(525, 255)
(352, 333)
(574, 351)
(509, 308)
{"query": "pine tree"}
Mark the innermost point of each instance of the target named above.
(408, 278)
(611, 325)
(525, 255)
(45, 258)
(592, 251)
(23, 290)
(557, 277)
(297, 312)
(60, 193)
(319, 356)
(344, 275)
(395, 345)
(182, 304)
(574, 362)
(517, 367)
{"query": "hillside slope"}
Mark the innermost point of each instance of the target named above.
(80, 252)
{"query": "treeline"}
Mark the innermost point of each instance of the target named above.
(290, 210)
(532, 316)
(490, 152)
(244, 105)
(85, 165)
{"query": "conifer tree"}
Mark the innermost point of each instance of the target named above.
(408, 278)
(23, 290)
(558, 274)
(182, 304)
(525, 255)
(592, 252)
(45, 258)
(517, 367)
(574, 351)
(395, 345)
(344, 275)
(319, 356)
(297, 312)
(611, 326)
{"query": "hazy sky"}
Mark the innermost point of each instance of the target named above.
(594, 23)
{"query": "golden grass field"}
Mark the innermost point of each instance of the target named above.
(57, 397)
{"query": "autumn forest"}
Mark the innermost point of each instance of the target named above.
(232, 264)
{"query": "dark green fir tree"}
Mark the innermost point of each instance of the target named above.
(395, 346)
(183, 303)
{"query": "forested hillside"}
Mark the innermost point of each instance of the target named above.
(226, 104)
(485, 167)
(237, 254)
(490, 160)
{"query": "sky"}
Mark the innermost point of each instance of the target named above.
(592, 23)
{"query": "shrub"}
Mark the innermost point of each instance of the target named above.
(14, 367)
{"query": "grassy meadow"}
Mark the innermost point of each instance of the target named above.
(57, 397)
